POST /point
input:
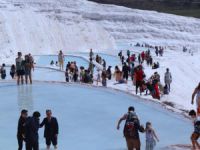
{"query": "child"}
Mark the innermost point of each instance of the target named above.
(98, 76)
(195, 135)
(150, 137)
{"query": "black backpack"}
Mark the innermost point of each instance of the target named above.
(130, 125)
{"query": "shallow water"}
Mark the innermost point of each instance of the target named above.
(43, 74)
(87, 116)
(45, 60)
(111, 60)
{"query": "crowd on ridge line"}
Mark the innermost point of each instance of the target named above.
(138, 76)
(132, 67)
(145, 45)
(28, 127)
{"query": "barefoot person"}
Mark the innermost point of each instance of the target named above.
(51, 129)
(32, 126)
(151, 137)
(28, 69)
(197, 94)
(131, 129)
(12, 71)
(21, 128)
(196, 134)
(61, 60)
(20, 68)
(168, 79)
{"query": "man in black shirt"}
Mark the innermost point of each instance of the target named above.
(51, 129)
(21, 128)
(32, 126)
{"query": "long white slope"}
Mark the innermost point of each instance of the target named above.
(25, 28)
(45, 26)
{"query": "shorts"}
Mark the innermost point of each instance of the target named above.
(61, 62)
(195, 136)
(20, 72)
(52, 140)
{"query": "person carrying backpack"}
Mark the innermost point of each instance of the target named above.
(196, 134)
(3, 72)
(132, 128)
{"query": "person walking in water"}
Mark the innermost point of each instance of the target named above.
(61, 60)
(3, 72)
(28, 68)
(21, 128)
(168, 78)
(197, 94)
(196, 134)
(51, 129)
(151, 137)
(132, 128)
(12, 71)
(31, 135)
(20, 68)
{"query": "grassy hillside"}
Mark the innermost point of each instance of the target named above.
(178, 7)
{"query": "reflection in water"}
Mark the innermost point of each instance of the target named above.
(25, 98)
